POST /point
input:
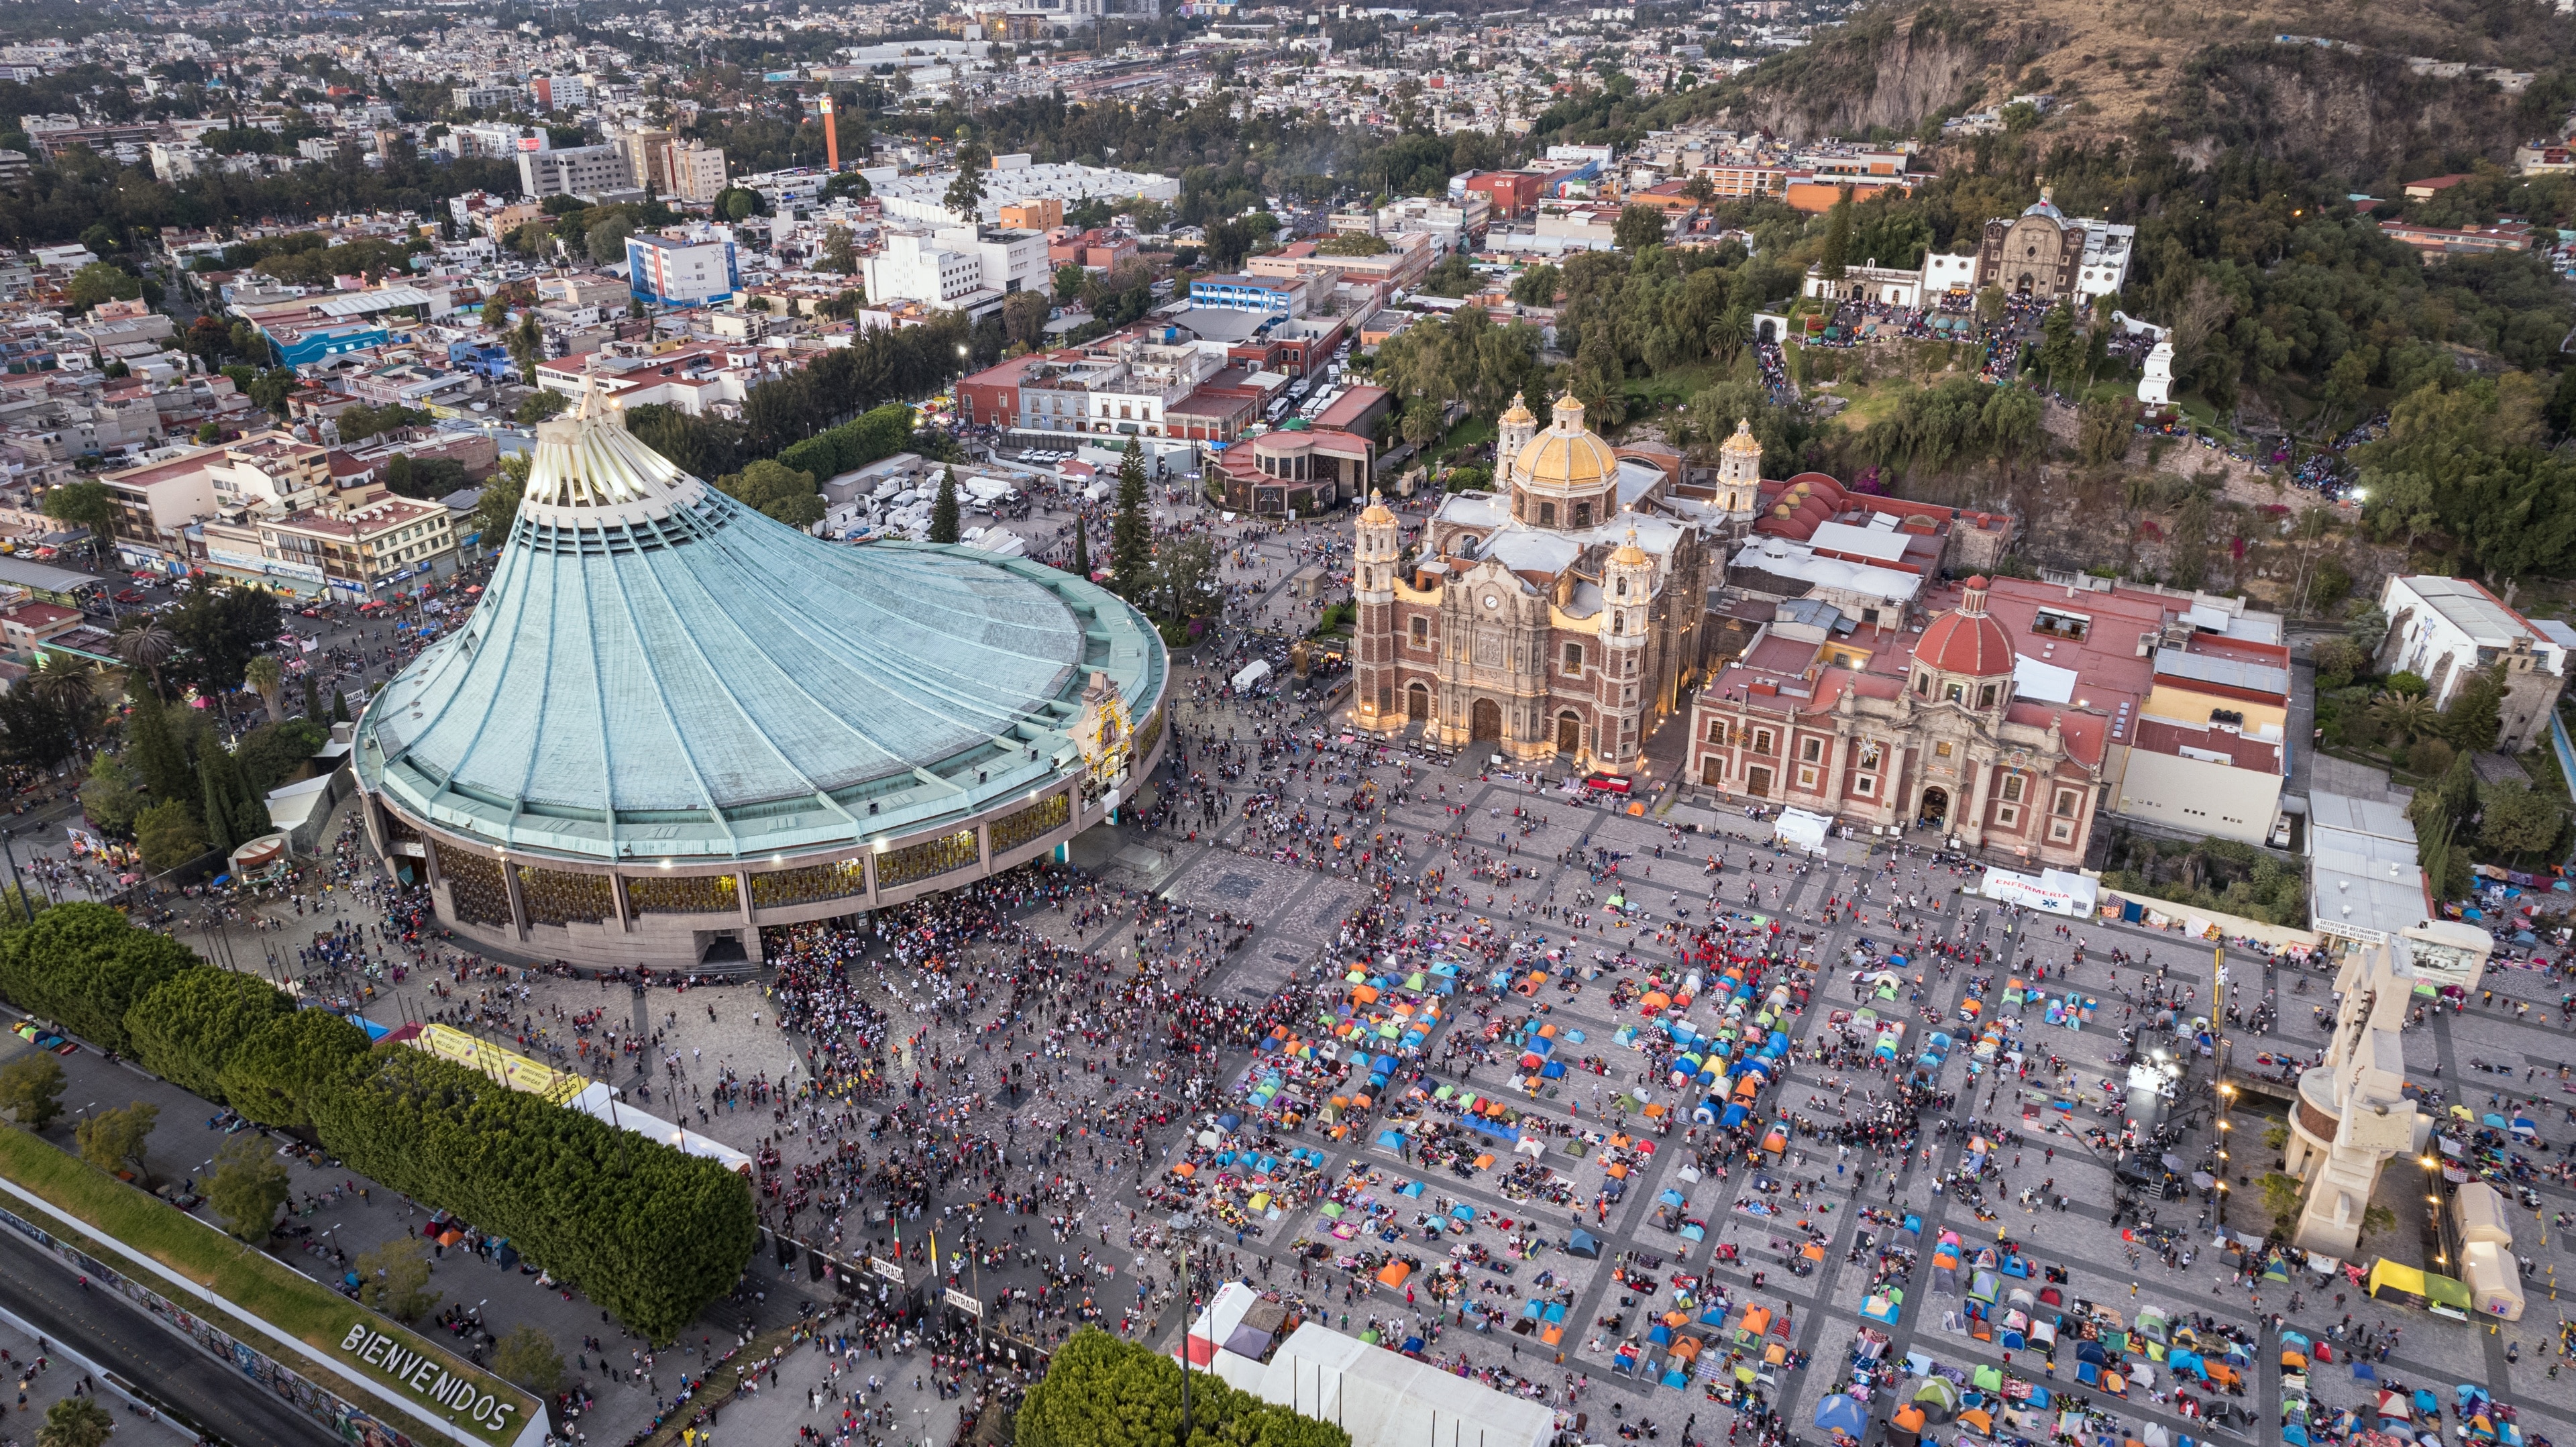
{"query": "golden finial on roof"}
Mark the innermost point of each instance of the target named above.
(1743, 440)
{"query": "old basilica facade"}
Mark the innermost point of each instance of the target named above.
(1564, 615)
(1556, 618)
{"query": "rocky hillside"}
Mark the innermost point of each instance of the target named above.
(2213, 75)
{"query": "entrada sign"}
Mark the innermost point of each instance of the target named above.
(423, 1377)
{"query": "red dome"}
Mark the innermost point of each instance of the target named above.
(1965, 640)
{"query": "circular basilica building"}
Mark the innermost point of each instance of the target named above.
(672, 720)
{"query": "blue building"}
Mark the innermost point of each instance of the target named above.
(488, 360)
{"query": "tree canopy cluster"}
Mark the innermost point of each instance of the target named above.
(652, 1233)
(1103, 1392)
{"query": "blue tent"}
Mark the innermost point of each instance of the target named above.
(1841, 1413)
(1583, 1244)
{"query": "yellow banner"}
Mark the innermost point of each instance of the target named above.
(508, 1067)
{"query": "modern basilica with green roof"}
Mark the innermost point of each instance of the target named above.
(671, 720)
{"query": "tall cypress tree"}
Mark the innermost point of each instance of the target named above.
(250, 809)
(217, 805)
(312, 698)
(1081, 551)
(1838, 230)
(339, 705)
(943, 510)
(154, 751)
(1131, 540)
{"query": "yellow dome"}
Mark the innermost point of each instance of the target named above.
(1519, 414)
(1376, 514)
(1557, 460)
(1743, 440)
(1629, 555)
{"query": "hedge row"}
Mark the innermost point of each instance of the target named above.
(879, 433)
(651, 1232)
(1103, 1392)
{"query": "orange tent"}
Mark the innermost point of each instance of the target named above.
(1394, 1276)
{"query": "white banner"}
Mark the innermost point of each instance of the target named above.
(965, 1303)
(2053, 890)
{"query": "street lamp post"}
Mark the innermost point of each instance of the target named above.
(7, 835)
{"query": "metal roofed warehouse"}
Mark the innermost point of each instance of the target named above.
(671, 720)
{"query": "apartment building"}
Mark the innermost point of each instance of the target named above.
(579, 171)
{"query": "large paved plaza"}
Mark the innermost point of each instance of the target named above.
(1238, 907)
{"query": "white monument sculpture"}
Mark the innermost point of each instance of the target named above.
(2156, 388)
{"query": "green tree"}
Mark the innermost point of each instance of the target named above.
(2516, 820)
(85, 505)
(1835, 259)
(220, 628)
(143, 642)
(539, 407)
(2061, 348)
(606, 242)
(31, 1087)
(113, 1140)
(943, 509)
(169, 835)
(75, 1422)
(1990, 305)
(101, 281)
(2475, 713)
(1638, 227)
(1352, 243)
(527, 345)
(109, 796)
(735, 203)
(2102, 431)
(1103, 1392)
(2338, 660)
(1131, 538)
(266, 676)
(965, 195)
(837, 254)
(186, 1027)
(1081, 551)
(1069, 279)
(85, 966)
(555, 1182)
(247, 1186)
(1024, 318)
(527, 1356)
(496, 511)
(1537, 285)
(273, 753)
(272, 1074)
(774, 490)
(2283, 1197)
(394, 1278)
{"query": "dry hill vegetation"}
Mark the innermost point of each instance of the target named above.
(2209, 75)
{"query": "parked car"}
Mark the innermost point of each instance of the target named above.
(129, 595)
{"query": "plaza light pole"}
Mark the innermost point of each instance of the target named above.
(6, 835)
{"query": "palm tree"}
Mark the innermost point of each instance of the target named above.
(266, 674)
(2408, 715)
(65, 684)
(144, 642)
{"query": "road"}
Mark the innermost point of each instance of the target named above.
(48, 1297)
